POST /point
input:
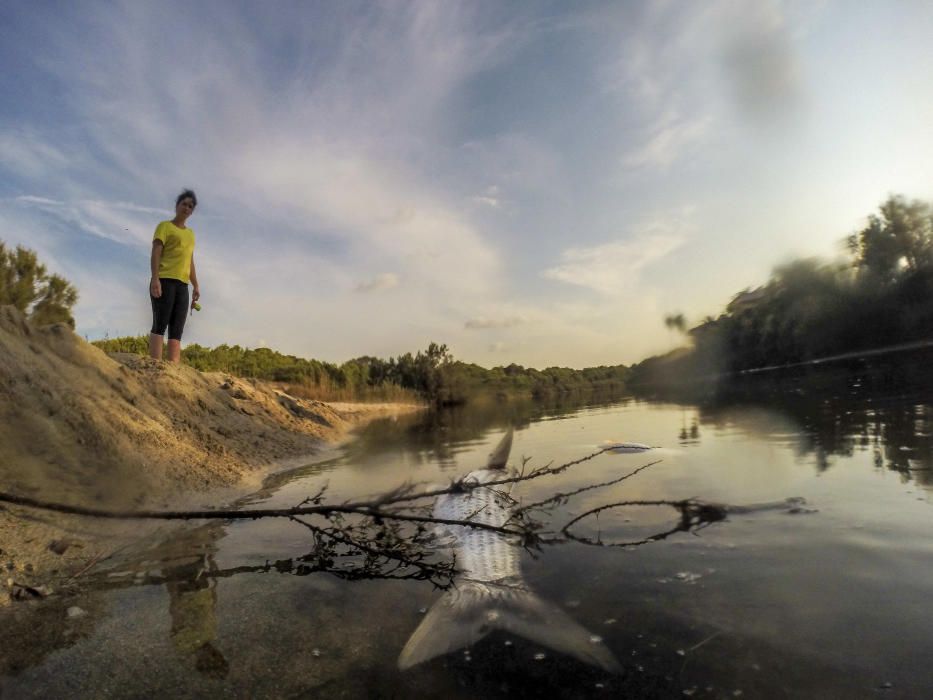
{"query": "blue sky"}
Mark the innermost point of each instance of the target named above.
(533, 182)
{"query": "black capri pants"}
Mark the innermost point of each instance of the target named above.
(171, 309)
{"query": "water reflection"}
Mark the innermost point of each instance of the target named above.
(764, 604)
(32, 631)
(437, 437)
(831, 413)
(192, 590)
(691, 436)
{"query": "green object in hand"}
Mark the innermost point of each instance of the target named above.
(196, 306)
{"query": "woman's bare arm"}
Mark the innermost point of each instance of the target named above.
(194, 281)
(155, 287)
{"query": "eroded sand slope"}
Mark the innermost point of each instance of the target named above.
(79, 426)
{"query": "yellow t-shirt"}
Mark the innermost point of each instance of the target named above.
(177, 250)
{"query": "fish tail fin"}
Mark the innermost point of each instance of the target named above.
(465, 615)
(455, 621)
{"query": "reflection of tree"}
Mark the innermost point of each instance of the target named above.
(433, 436)
(886, 408)
(689, 436)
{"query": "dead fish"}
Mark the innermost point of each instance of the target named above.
(489, 592)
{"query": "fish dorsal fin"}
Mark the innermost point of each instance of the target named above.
(499, 457)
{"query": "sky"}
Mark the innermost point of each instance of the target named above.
(531, 182)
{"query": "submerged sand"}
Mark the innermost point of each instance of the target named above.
(79, 426)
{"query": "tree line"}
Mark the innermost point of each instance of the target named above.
(879, 294)
(431, 374)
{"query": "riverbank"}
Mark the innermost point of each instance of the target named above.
(82, 427)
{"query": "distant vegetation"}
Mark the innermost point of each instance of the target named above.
(26, 284)
(881, 294)
(432, 374)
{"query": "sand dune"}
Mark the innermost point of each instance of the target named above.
(80, 426)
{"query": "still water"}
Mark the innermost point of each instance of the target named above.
(835, 601)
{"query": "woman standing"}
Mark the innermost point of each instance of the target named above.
(172, 266)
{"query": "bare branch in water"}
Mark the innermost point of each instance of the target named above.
(559, 498)
(373, 508)
(366, 509)
(694, 515)
(316, 499)
(392, 536)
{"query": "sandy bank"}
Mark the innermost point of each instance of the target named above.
(79, 426)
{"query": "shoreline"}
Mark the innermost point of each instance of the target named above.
(260, 474)
(81, 427)
(31, 565)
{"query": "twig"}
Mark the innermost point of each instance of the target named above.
(708, 639)
(464, 484)
(563, 496)
(693, 515)
(89, 565)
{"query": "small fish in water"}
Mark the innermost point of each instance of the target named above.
(489, 592)
(625, 448)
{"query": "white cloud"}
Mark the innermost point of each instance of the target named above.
(613, 268)
(384, 216)
(489, 197)
(482, 322)
(39, 201)
(25, 231)
(669, 142)
(674, 69)
(120, 222)
(314, 179)
(331, 144)
(25, 153)
(579, 334)
(520, 161)
(382, 282)
(129, 206)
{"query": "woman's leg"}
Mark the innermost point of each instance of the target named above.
(155, 346)
(161, 315)
(174, 350)
(176, 324)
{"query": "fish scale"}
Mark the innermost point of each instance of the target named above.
(482, 555)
